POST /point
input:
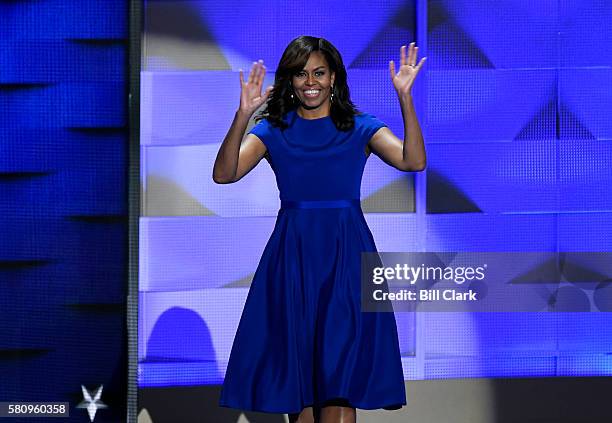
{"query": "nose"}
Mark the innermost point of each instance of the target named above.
(310, 80)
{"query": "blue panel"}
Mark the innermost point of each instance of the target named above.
(274, 25)
(585, 104)
(489, 105)
(499, 177)
(492, 232)
(585, 176)
(585, 33)
(88, 104)
(60, 19)
(61, 60)
(169, 253)
(509, 34)
(515, 112)
(63, 184)
(585, 231)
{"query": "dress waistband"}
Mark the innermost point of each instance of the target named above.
(319, 204)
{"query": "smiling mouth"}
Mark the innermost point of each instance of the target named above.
(311, 93)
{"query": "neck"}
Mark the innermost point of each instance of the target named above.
(321, 111)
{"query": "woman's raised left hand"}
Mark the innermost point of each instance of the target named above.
(404, 79)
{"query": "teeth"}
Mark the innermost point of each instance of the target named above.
(312, 92)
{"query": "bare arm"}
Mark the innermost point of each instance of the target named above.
(409, 154)
(236, 157)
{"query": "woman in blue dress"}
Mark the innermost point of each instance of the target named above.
(303, 346)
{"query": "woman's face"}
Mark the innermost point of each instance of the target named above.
(313, 84)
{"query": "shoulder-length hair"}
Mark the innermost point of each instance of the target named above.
(293, 61)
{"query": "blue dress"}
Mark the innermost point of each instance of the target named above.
(302, 339)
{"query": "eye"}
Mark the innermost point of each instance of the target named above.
(320, 73)
(300, 74)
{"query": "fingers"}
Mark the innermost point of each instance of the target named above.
(241, 77)
(421, 63)
(258, 65)
(251, 74)
(254, 72)
(257, 73)
(262, 74)
(409, 58)
(412, 54)
(267, 92)
(392, 69)
(258, 101)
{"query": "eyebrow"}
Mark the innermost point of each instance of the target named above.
(317, 68)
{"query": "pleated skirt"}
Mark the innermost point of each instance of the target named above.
(302, 339)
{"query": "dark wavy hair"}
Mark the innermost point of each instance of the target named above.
(293, 61)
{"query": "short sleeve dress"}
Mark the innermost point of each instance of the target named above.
(302, 339)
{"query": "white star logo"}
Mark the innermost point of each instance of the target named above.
(91, 404)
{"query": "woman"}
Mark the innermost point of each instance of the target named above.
(303, 346)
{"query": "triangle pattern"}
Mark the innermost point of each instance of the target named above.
(543, 124)
(400, 31)
(449, 47)
(571, 127)
(444, 197)
(395, 197)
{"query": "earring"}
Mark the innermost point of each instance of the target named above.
(332, 95)
(291, 97)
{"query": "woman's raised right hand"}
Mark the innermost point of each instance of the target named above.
(251, 97)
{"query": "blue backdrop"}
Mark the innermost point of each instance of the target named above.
(63, 207)
(513, 102)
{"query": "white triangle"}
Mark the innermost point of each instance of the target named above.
(144, 416)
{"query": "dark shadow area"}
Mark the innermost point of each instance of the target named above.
(195, 405)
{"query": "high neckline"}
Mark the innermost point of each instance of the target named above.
(311, 120)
